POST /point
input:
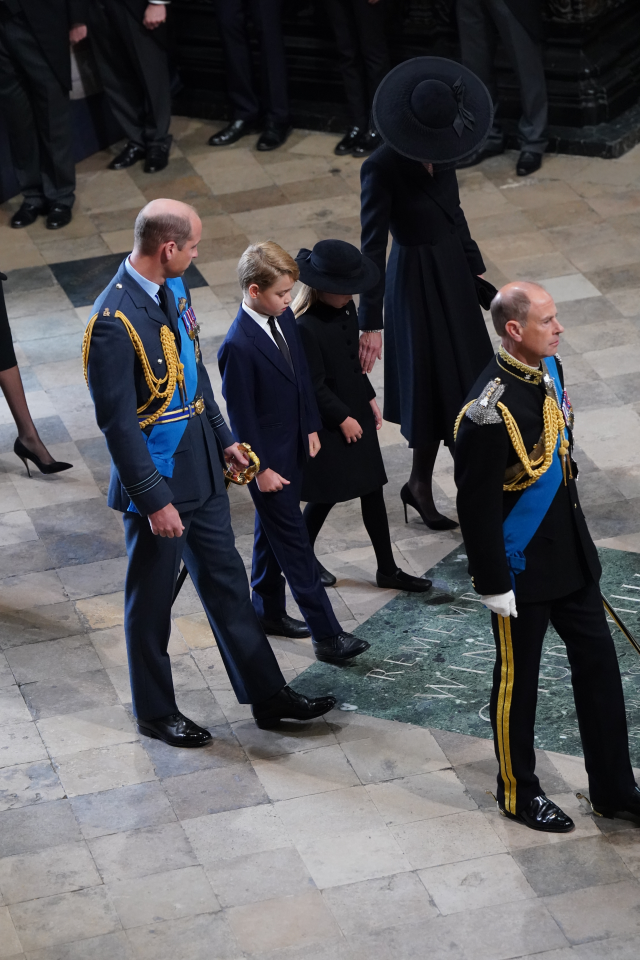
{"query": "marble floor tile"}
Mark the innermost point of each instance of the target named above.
(598, 912)
(476, 883)
(67, 657)
(420, 797)
(282, 922)
(614, 948)
(169, 895)
(401, 753)
(109, 946)
(304, 773)
(15, 524)
(236, 833)
(28, 783)
(323, 814)
(13, 709)
(103, 768)
(194, 938)
(104, 611)
(442, 840)
(339, 858)
(52, 871)
(86, 730)
(64, 918)
(216, 790)
(259, 876)
(376, 904)
(408, 940)
(221, 751)
(64, 695)
(20, 742)
(139, 853)
(30, 829)
(92, 579)
(10, 946)
(558, 869)
(289, 738)
(129, 808)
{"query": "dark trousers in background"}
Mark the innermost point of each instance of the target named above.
(480, 24)
(580, 621)
(361, 40)
(208, 549)
(281, 546)
(134, 70)
(36, 108)
(266, 16)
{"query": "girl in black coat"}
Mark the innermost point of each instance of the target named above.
(349, 463)
(430, 112)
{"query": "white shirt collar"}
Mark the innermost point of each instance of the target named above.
(147, 285)
(258, 317)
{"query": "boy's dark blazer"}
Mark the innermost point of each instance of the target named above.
(50, 21)
(269, 407)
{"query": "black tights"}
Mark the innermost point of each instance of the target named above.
(374, 517)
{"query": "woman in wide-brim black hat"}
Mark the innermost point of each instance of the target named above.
(431, 113)
(349, 463)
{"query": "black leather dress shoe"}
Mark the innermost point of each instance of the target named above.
(630, 807)
(232, 133)
(157, 158)
(327, 579)
(476, 158)
(338, 649)
(289, 705)
(366, 144)
(403, 581)
(176, 730)
(542, 814)
(129, 155)
(274, 135)
(26, 215)
(348, 142)
(528, 162)
(286, 627)
(58, 216)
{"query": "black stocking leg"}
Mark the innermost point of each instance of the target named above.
(374, 516)
(314, 515)
(421, 484)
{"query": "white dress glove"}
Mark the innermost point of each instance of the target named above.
(504, 604)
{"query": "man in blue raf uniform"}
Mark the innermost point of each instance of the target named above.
(533, 561)
(168, 441)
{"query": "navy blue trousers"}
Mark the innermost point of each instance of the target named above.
(282, 546)
(208, 549)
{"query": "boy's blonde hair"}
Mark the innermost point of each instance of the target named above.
(264, 263)
(305, 298)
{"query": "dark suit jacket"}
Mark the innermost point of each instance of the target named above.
(561, 556)
(118, 388)
(269, 407)
(529, 13)
(50, 21)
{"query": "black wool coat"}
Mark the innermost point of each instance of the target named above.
(340, 471)
(436, 340)
(51, 21)
(561, 556)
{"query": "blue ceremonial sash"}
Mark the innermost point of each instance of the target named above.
(164, 438)
(530, 510)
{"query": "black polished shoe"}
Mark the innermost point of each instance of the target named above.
(528, 162)
(129, 155)
(274, 135)
(232, 133)
(176, 730)
(542, 814)
(157, 158)
(479, 156)
(327, 579)
(26, 215)
(289, 705)
(286, 627)
(631, 807)
(403, 581)
(366, 144)
(348, 142)
(58, 216)
(338, 649)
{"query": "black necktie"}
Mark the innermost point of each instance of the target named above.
(281, 343)
(164, 306)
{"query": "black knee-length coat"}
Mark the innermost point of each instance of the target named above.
(436, 341)
(340, 471)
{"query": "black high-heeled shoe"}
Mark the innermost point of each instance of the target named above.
(57, 466)
(408, 500)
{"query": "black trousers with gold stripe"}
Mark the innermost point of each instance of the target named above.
(580, 621)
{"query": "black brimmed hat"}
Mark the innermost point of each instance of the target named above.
(334, 266)
(433, 110)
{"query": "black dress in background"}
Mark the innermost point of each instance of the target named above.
(436, 341)
(7, 353)
(340, 471)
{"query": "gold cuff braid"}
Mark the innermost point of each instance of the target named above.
(173, 376)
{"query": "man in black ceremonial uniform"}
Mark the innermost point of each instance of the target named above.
(533, 561)
(168, 442)
(35, 79)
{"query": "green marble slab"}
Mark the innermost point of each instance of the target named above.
(431, 659)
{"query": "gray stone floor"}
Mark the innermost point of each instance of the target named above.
(351, 838)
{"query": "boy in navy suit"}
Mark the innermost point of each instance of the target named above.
(271, 405)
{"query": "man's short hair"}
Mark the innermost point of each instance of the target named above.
(264, 263)
(150, 232)
(512, 305)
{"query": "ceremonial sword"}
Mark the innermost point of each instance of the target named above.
(621, 625)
